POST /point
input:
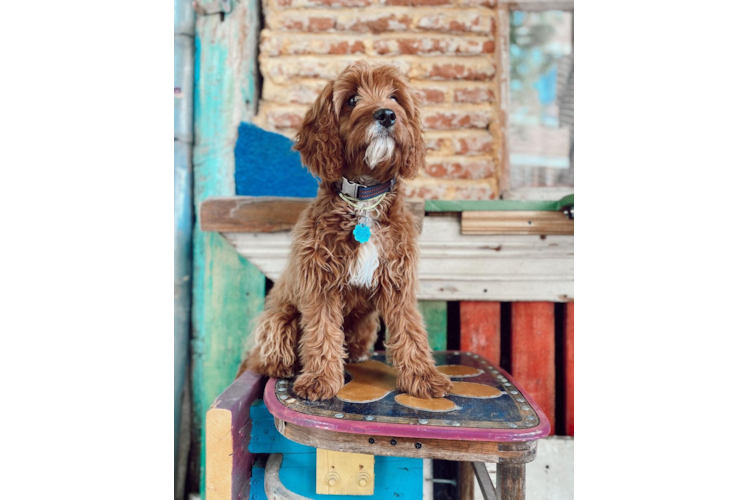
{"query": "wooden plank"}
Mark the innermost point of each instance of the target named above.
(569, 368)
(533, 353)
(227, 436)
(500, 129)
(661, 290)
(661, 250)
(455, 266)
(458, 450)
(480, 329)
(498, 205)
(435, 317)
(264, 214)
(538, 223)
(539, 5)
(228, 292)
(341, 473)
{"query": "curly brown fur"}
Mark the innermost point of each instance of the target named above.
(313, 313)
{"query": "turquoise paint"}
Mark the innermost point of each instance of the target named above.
(499, 205)
(395, 478)
(228, 291)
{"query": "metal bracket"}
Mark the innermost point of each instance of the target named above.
(569, 211)
(214, 7)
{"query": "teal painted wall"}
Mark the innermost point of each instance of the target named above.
(228, 292)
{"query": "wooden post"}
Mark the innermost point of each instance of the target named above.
(480, 329)
(227, 290)
(569, 367)
(467, 484)
(510, 483)
(533, 353)
(227, 435)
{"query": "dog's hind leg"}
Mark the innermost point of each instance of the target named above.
(275, 340)
(361, 328)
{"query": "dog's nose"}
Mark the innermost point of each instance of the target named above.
(385, 117)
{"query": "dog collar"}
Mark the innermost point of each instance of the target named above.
(361, 192)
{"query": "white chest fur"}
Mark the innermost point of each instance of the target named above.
(361, 272)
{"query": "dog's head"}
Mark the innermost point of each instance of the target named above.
(364, 123)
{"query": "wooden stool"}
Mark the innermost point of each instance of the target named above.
(486, 418)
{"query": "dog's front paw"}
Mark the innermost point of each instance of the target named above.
(315, 387)
(425, 383)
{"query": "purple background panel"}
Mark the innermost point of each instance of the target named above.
(661, 389)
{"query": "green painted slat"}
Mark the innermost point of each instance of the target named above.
(470, 205)
(228, 291)
(581, 200)
(661, 290)
(435, 317)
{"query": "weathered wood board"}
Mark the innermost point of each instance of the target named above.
(480, 329)
(516, 222)
(227, 433)
(264, 214)
(455, 266)
(569, 368)
(533, 353)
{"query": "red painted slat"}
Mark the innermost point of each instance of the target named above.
(569, 367)
(480, 329)
(533, 353)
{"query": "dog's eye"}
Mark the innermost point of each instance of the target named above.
(352, 101)
(393, 98)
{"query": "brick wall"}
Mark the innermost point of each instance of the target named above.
(449, 50)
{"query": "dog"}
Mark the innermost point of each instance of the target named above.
(354, 254)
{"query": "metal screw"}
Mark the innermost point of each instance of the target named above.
(520, 400)
(423, 421)
(393, 442)
(371, 440)
(418, 446)
(512, 425)
(369, 418)
(525, 407)
(284, 396)
(513, 392)
(339, 415)
(456, 424)
(292, 400)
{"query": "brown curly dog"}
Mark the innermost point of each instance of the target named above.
(361, 135)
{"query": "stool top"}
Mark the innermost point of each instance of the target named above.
(485, 405)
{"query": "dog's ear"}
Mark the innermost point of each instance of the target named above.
(415, 155)
(318, 140)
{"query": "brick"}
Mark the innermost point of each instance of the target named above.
(269, 5)
(474, 192)
(298, 92)
(441, 145)
(281, 69)
(463, 168)
(479, 143)
(456, 22)
(456, 118)
(374, 23)
(430, 95)
(474, 95)
(433, 46)
(415, 189)
(279, 43)
(417, 3)
(284, 118)
(479, 3)
(473, 69)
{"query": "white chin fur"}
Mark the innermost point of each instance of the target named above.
(380, 147)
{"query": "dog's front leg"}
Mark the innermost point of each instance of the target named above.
(321, 348)
(408, 344)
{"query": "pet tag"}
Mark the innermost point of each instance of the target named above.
(361, 233)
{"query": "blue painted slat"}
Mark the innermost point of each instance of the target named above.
(395, 478)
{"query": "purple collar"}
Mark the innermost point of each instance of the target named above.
(361, 192)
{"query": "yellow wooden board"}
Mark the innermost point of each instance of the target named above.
(340, 473)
